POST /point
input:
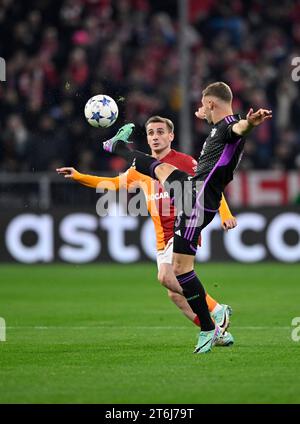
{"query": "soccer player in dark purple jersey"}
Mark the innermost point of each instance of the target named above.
(217, 162)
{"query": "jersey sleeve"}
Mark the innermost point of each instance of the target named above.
(125, 180)
(224, 210)
(185, 163)
(131, 178)
(230, 136)
(191, 165)
(93, 181)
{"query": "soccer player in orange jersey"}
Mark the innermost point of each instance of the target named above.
(160, 134)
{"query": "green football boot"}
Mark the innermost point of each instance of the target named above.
(122, 135)
(225, 339)
(207, 340)
(222, 317)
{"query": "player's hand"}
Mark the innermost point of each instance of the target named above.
(229, 224)
(66, 172)
(200, 113)
(256, 118)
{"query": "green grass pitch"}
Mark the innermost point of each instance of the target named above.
(109, 334)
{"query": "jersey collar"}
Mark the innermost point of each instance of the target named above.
(229, 119)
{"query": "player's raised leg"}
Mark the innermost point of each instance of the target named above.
(143, 163)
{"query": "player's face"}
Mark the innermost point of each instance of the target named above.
(159, 137)
(207, 106)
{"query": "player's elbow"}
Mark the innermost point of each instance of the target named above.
(239, 129)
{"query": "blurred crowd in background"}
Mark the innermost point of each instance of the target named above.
(60, 53)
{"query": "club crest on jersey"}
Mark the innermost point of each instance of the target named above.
(213, 132)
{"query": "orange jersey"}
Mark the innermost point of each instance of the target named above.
(157, 198)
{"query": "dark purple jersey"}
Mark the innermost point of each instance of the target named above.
(220, 156)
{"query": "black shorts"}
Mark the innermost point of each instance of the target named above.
(192, 201)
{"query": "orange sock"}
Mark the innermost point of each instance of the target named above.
(211, 303)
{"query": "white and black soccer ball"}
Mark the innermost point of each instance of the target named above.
(101, 111)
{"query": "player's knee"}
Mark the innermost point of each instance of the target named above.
(163, 278)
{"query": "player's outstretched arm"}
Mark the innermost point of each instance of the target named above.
(90, 180)
(228, 220)
(253, 119)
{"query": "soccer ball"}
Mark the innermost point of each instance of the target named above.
(101, 111)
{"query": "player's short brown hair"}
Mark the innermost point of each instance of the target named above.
(157, 118)
(220, 90)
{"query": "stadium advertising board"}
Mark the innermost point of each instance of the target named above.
(80, 237)
(261, 188)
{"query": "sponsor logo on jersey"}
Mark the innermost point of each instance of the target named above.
(158, 196)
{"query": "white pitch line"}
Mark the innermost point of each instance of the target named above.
(103, 327)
